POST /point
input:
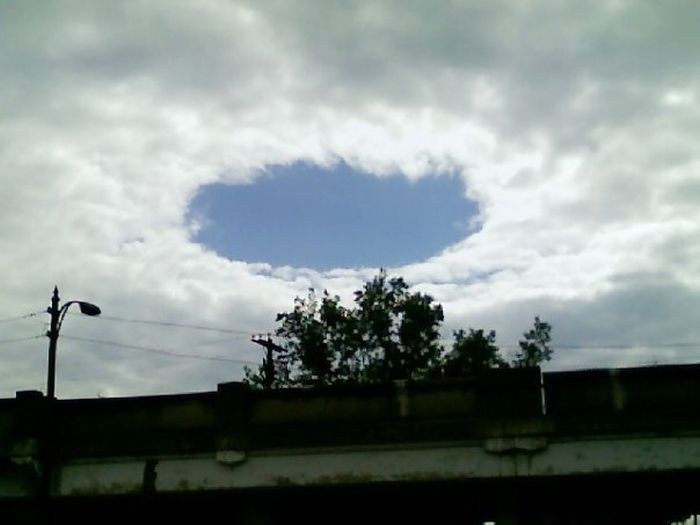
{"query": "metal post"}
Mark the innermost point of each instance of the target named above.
(52, 334)
(268, 367)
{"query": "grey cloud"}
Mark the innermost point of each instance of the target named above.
(115, 113)
(540, 56)
(644, 319)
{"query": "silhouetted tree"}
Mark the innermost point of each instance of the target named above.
(534, 349)
(471, 353)
(319, 335)
(399, 330)
(390, 333)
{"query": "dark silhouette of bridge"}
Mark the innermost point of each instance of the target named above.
(505, 446)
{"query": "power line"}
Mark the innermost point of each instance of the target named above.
(617, 346)
(603, 346)
(623, 346)
(19, 339)
(173, 324)
(573, 346)
(19, 317)
(158, 350)
(210, 342)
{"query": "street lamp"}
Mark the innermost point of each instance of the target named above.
(57, 316)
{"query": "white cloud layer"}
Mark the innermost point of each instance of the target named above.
(574, 126)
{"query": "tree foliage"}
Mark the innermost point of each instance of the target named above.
(389, 333)
(534, 348)
(471, 353)
(399, 330)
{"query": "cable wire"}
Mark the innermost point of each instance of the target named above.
(159, 351)
(173, 324)
(601, 346)
(683, 344)
(19, 339)
(19, 317)
(575, 346)
(211, 342)
(617, 346)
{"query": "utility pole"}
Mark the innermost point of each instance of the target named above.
(52, 334)
(268, 360)
(57, 315)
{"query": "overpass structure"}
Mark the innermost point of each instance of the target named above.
(506, 446)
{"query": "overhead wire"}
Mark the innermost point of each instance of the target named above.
(602, 346)
(19, 317)
(573, 346)
(238, 334)
(20, 339)
(249, 333)
(169, 353)
(213, 341)
(159, 350)
(625, 346)
(173, 324)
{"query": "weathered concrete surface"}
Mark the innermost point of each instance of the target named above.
(439, 462)
(597, 499)
(496, 432)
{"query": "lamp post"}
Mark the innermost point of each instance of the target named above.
(57, 316)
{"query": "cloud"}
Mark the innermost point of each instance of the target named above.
(643, 319)
(573, 127)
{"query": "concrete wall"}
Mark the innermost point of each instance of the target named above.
(495, 428)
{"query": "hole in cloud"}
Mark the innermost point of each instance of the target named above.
(330, 217)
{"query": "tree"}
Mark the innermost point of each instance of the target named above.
(389, 333)
(534, 349)
(472, 353)
(399, 330)
(318, 335)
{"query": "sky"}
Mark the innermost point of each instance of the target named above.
(329, 217)
(559, 139)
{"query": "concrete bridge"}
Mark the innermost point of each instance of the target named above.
(506, 446)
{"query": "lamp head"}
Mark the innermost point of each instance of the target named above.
(89, 309)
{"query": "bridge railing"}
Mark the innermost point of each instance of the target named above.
(662, 400)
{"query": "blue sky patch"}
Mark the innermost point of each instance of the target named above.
(317, 217)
